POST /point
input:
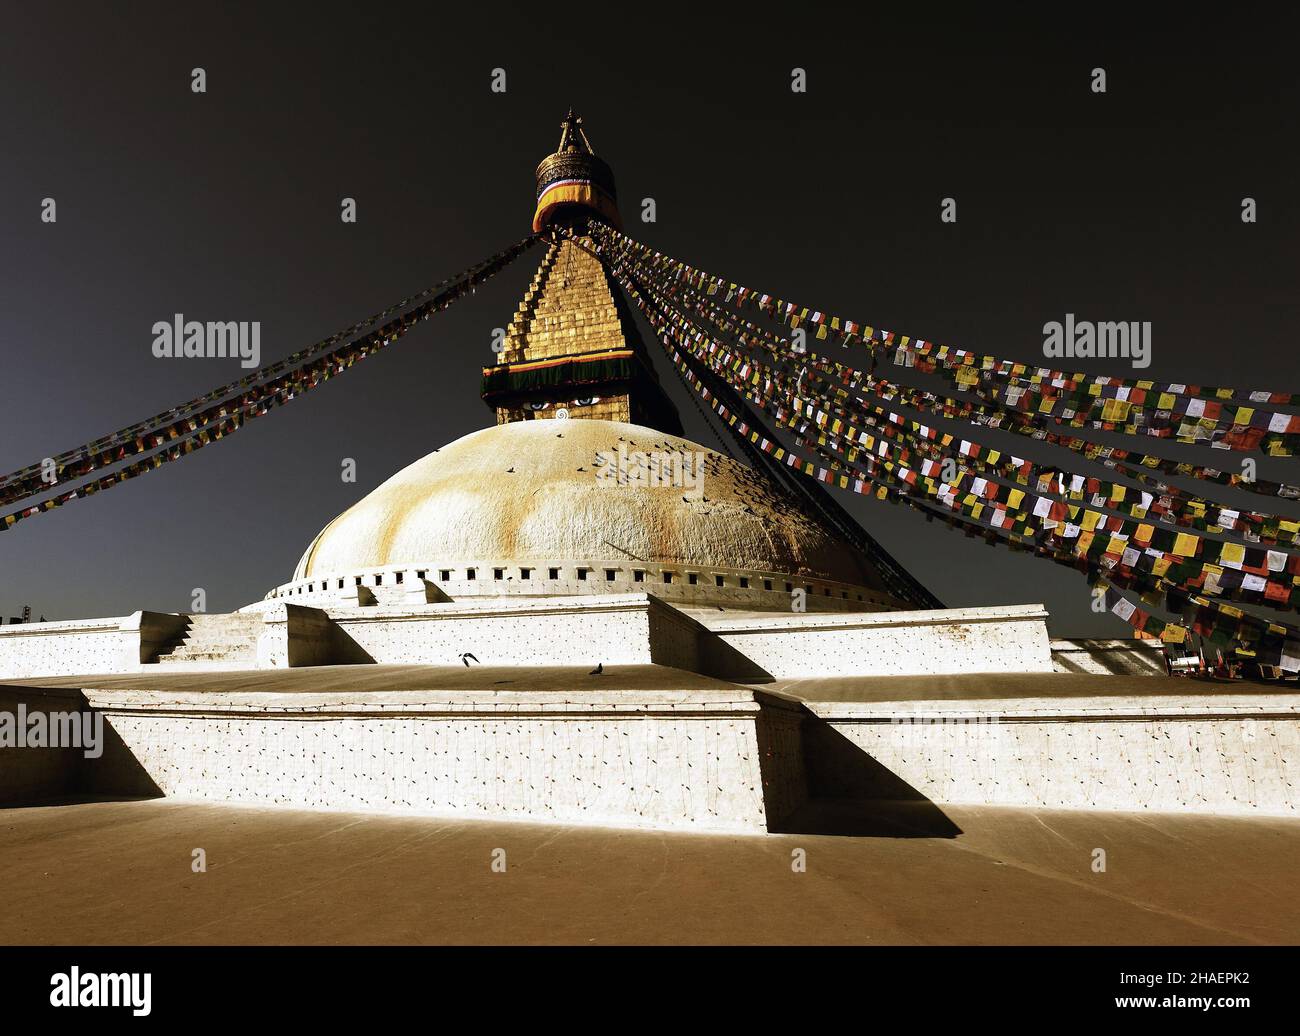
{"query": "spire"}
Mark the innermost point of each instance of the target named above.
(573, 184)
(572, 136)
(572, 349)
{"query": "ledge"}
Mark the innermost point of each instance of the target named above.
(497, 606)
(1193, 706)
(450, 704)
(793, 621)
(110, 624)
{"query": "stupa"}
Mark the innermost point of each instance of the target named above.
(585, 486)
(569, 615)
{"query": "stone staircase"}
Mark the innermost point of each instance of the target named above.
(227, 641)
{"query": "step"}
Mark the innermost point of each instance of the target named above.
(208, 656)
(227, 638)
(217, 642)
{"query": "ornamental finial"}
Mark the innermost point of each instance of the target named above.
(572, 135)
(572, 183)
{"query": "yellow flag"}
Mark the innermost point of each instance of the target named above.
(1185, 545)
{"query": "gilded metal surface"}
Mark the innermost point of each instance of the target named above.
(574, 159)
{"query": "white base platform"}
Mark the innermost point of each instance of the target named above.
(608, 629)
(708, 760)
(1192, 753)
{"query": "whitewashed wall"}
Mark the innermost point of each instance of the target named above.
(1010, 639)
(661, 759)
(613, 630)
(1195, 753)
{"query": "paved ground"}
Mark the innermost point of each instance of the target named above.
(120, 872)
(383, 678)
(988, 686)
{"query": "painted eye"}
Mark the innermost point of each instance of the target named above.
(589, 401)
(539, 406)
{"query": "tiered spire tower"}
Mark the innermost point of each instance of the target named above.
(572, 349)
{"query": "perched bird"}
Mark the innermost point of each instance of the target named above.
(600, 668)
(510, 471)
(466, 657)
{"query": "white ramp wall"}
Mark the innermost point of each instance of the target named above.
(1010, 639)
(1195, 753)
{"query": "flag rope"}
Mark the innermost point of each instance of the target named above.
(220, 420)
(179, 420)
(1244, 429)
(1220, 622)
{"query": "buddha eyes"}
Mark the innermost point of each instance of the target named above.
(586, 401)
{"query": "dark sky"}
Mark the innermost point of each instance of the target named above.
(225, 206)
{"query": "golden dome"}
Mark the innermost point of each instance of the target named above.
(532, 491)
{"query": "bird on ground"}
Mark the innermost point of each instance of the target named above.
(600, 668)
